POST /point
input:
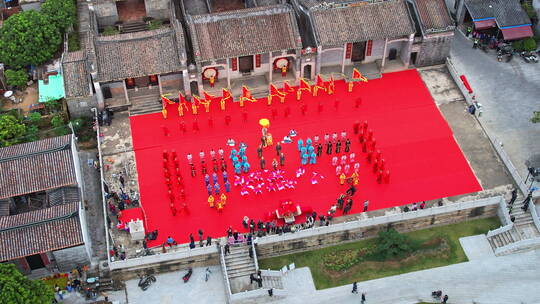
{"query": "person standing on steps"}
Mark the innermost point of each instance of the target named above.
(366, 205)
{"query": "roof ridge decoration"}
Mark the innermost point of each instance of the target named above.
(51, 150)
(243, 13)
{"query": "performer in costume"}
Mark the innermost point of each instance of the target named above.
(211, 201)
(342, 178)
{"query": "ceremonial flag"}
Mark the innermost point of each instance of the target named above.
(319, 86)
(181, 104)
(331, 85)
(195, 104)
(287, 88)
(304, 85)
(207, 96)
(207, 100)
(246, 95)
(356, 75)
(226, 95)
(166, 100)
(164, 112)
(274, 92)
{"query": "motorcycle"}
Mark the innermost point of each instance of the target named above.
(187, 275)
(529, 57)
(146, 281)
(90, 294)
(499, 56)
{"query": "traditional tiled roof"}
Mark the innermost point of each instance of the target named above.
(138, 54)
(361, 21)
(505, 12)
(36, 166)
(75, 67)
(40, 231)
(434, 16)
(244, 32)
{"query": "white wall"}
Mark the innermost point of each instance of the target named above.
(377, 51)
(332, 57)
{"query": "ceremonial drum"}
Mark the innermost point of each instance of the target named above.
(210, 73)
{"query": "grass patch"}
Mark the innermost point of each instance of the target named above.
(60, 280)
(369, 270)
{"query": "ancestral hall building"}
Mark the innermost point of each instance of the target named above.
(42, 220)
(208, 45)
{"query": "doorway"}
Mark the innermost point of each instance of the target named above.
(358, 51)
(35, 261)
(413, 57)
(392, 55)
(307, 71)
(245, 64)
(194, 88)
(131, 10)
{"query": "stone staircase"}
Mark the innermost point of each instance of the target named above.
(144, 102)
(523, 228)
(238, 263)
(272, 282)
(132, 27)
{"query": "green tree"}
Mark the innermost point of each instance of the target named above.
(11, 130)
(529, 44)
(32, 133)
(28, 38)
(17, 78)
(16, 288)
(392, 244)
(62, 13)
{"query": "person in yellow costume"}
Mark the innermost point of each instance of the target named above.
(219, 206)
(355, 178)
(223, 199)
(211, 201)
(342, 179)
(269, 139)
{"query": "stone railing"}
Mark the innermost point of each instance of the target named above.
(519, 245)
(534, 215)
(225, 274)
(254, 255)
(157, 258)
(380, 220)
(500, 230)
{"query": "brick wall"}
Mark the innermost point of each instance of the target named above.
(434, 50)
(69, 258)
(272, 249)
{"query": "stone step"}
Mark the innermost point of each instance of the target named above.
(272, 282)
(238, 261)
(241, 265)
(241, 271)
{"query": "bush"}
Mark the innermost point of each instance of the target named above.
(154, 24)
(529, 10)
(517, 45)
(109, 31)
(57, 121)
(28, 38)
(529, 44)
(73, 42)
(32, 133)
(536, 117)
(391, 244)
(34, 117)
(17, 78)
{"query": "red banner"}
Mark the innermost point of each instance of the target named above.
(348, 51)
(234, 64)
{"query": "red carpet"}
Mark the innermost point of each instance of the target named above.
(418, 145)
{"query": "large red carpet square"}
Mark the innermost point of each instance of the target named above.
(418, 145)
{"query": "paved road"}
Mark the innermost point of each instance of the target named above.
(509, 92)
(497, 280)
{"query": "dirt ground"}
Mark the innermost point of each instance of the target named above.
(29, 97)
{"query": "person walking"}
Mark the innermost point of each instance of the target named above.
(513, 198)
(227, 249)
(278, 148)
(354, 288)
(445, 299)
(366, 205)
(363, 297)
(208, 241)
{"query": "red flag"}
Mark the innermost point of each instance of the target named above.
(320, 82)
(166, 100)
(246, 94)
(182, 101)
(225, 95)
(356, 75)
(287, 88)
(304, 85)
(275, 92)
(207, 97)
(331, 85)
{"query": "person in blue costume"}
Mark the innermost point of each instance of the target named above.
(303, 150)
(214, 177)
(237, 168)
(235, 160)
(207, 179)
(227, 186)
(246, 167)
(308, 142)
(216, 188)
(225, 176)
(312, 158)
(304, 159)
(300, 144)
(311, 149)
(233, 153)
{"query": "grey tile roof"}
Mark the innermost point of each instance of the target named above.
(40, 231)
(195, 7)
(434, 16)
(138, 54)
(362, 21)
(75, 67)
(36, 166)
(505, 12)
(244, 32)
